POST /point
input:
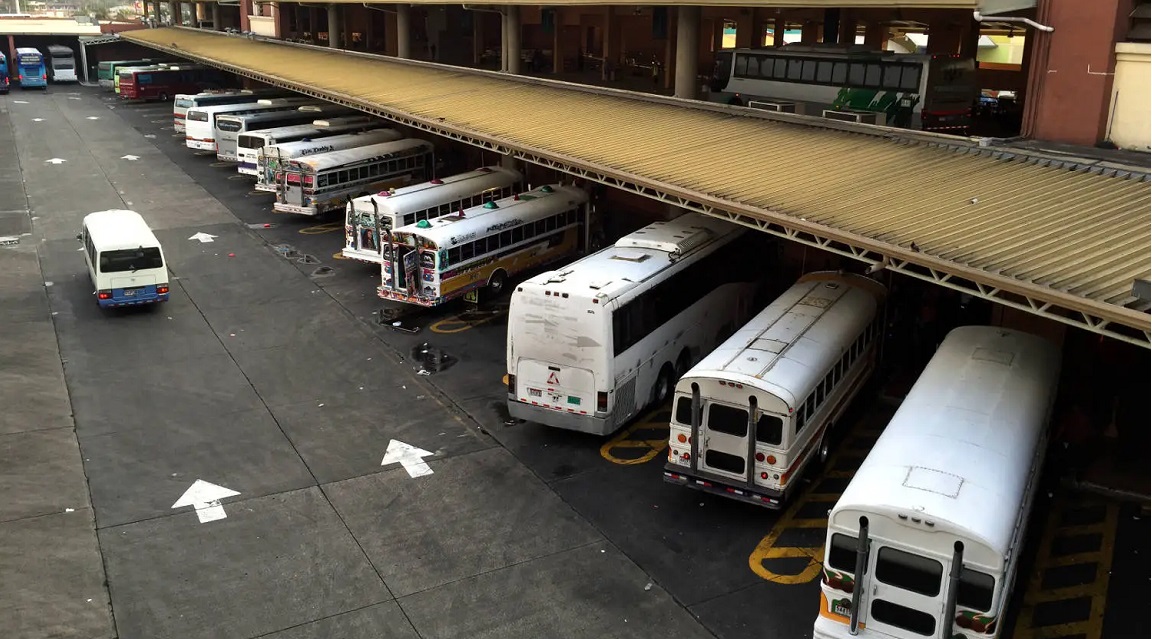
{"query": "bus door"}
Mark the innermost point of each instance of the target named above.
(429, 274)
(727, 442)
(903, 586)
(291, 186)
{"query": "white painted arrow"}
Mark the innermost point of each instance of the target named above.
(130, 158)
(149, 135)
(408, 456)
(205, 498)
(37, 119)
(55, 161)
(203, 237)
(93, 117)
(19, 102)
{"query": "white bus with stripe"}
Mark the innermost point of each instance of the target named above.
(271, 157)
(230, 126)
(367, 217)
(755, 412)
(185, 101)
(927, 538)
(200, 122)
(249, 143)
(594, 342)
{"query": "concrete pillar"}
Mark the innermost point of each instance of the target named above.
(216, 17)
(718, 34)
(810, 32)
(969, 38)
(557, 40)
(745, 27)
(847, 34)
(145, 10)
(670, 51)
(404, 31)
(944, 37)
(687, 47)
(876, 36)
(512, 38)
(778, 29)
(609, 47)
(335, 26)
(173, 13)
(246, 10)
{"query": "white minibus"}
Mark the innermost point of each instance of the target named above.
(200, 122)
(592, 343)
(230, 125)
(369, 216)
(125, 261)
(756, 411)
(928, 535)
(249, 143)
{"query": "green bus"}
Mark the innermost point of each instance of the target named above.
(108, 71)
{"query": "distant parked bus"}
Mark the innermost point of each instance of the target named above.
(200, 122)
(437, 260)
(270, 158)
(135, 67)
(4, 82)
(755, 412)
(162, 84)
(106, 71)
(251, 142)
(368, 217)
(926, 540)
(318, 183)
(185, 101)
(62, 67)
(30, 71)
(594, 342)
(230, 126)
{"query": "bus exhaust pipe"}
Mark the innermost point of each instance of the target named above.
(953, 588)
(694, 439)
(862, 544)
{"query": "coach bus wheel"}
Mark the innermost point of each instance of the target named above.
(163, 97)
(663, 387)
(825, 450)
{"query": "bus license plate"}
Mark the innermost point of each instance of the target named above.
(472, 296)
(129, 292)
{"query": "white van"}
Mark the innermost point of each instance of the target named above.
(125, 261)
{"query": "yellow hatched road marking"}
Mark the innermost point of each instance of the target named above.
(623, 440)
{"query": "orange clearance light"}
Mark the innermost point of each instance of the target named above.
(771, 459)
(681, 438)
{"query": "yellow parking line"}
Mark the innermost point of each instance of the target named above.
(320, 229)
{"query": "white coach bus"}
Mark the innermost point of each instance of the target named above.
(270, 157)
(323, 182)
(767, 400)
(592, 343)
(185, 101)
(200, 122)
(249, 143)
(230, 126)
(927, 538)
(367, 217)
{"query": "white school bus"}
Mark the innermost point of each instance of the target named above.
(927, 538)
(753, 414)
(367, 217)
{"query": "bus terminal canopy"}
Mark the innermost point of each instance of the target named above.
(1062, 237)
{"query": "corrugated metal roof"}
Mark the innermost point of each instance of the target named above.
(1075, 239)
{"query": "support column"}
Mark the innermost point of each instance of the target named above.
(745, 28)
(778, 29)
(173, 12)
(477, 38)
(670, 50)
(810, 32)
(876, 36)
(145, 10)
(216, 17)
(512, 38)
(687, 48)
(245, 11)
(335, 26)
(557, 40)
(847, 34)
(831, 26)
(609, 46)
(404, 31)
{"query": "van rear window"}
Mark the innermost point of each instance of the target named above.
(130, 260)
(184, 103)
(197, 116)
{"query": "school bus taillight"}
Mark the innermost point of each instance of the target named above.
(602, 401)
(104, 295)
(162, 289)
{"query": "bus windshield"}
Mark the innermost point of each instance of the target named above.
(130, 260)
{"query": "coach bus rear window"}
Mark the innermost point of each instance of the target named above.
(229, 126)
(130, 260)
(250, 142)
(197, 116)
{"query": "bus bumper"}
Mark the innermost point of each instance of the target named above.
(590, 424)
(118, 302)
(199, 145)
(766, 498)
(360, 255)
(247, 169)
(299, 210)
(267, 188)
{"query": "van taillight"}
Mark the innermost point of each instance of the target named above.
(104, 295)
(602, 402)
(511, 384)
(43, 76)
(162, 289)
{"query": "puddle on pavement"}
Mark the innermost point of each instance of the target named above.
(323, 271)
(431, 358)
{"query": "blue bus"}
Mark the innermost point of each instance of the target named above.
(3, 73)
(30, 69)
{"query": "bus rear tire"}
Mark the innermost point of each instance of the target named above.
(824, 452)
(163, 97)
(496, 284)
(663, 388)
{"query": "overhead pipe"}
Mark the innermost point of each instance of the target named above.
(1028, 21)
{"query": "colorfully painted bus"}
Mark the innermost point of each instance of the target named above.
(317, 183)
(270, 158)
(30, 70)
(926, 539)
(106, 71)
(929, 92)
(62, 64)
(200, 122)
(594, 342)
(185, 101)
(367, 217)
(753, 414)
(250, 142)
(437, 260)
(230, 126)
